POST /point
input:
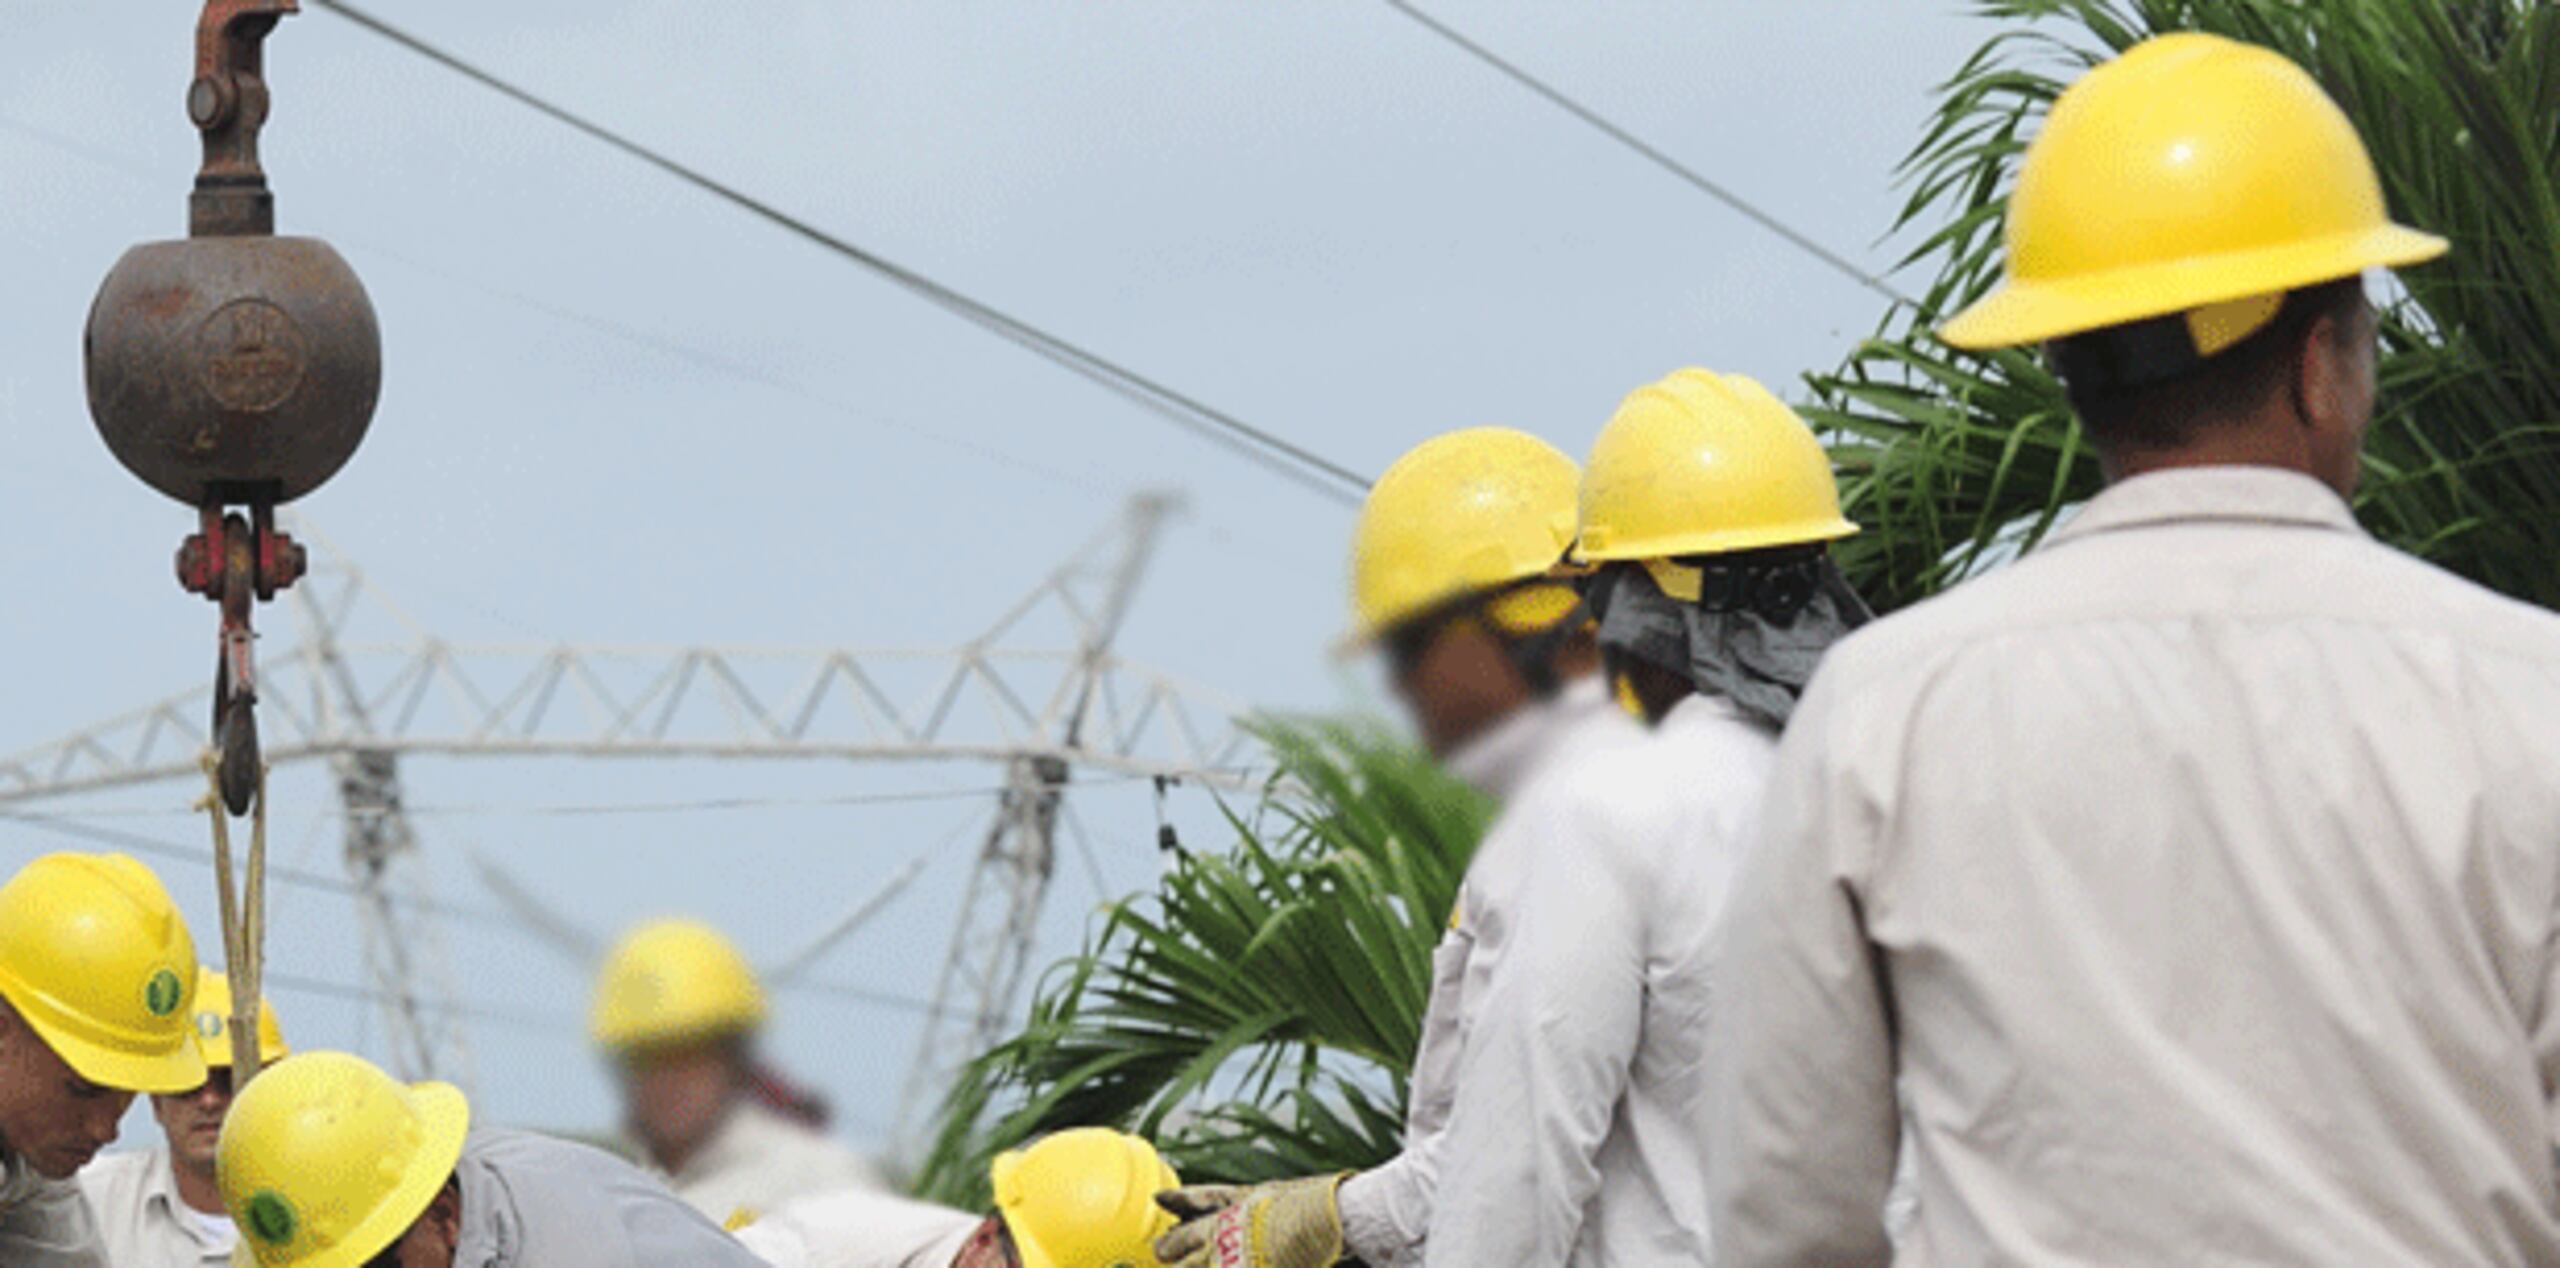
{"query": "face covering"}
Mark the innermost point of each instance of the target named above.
(1745, 655)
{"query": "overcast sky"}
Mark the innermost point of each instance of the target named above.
(618, 411)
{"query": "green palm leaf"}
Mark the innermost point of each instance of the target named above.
(1256, 1014)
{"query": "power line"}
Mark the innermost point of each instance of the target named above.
(527, 1019)
(1274, 453)
(297, 878)
(435, 810)
(713, 362)
(289, 876)
(1691, 175)
(876, 999)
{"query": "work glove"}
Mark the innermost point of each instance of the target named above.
(1285, 1224)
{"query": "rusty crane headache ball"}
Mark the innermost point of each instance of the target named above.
(233, 368)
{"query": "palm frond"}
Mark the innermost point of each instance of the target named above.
(1257, 1012)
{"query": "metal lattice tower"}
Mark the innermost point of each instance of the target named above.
(1042, 713)
(404, 958)
(999, 917)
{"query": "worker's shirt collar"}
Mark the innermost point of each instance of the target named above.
(2200, 495)
(490, 1236)
(731, 1143)
(160, 1186)
(1501, 761)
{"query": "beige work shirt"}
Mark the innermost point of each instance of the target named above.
(1576, 1137)
(142, 1221)
(758, 1160)
(43, 1223)
(1387, 1210)
(2196, 875)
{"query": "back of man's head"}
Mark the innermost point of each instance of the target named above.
(2140, 389)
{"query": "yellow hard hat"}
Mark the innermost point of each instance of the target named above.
(674, 981)
(2191, 171)
(1084, 1198)
(325, 1160)
(1469, 511)
(1703, 464)
(96, 958)
(213, 1022)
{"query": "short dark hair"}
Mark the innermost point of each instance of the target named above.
(2165, 413)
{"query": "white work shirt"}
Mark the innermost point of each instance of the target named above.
(1387, 1210)
(530, 1201)
(43, 1223)
(1578, 1136)
(757, 1160)
(2197, 876)
(142, 1221)
(857, 1229)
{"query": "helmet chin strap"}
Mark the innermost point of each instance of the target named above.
(1533, 655)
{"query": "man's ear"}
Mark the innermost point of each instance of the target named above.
(445, 1213)
(2319, 373)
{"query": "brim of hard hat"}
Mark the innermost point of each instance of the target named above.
(1720, 542)
(219, 1056)
(181, 1069)
(1368, 634)
(2017, 313)
(444, 1118)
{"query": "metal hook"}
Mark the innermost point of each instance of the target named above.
(228, 103)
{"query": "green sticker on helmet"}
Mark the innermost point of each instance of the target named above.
(163, 993)
(270, 1218)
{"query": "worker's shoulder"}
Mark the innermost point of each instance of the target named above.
(2337, 579)
(1703, 752)
(2427, 597)
(116, 1177)
(775, 1135)
(508, 1149)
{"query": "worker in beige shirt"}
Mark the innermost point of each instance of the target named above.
(160, 1208)
(1459, 575)
(2197, 874)
(677, 1009)
(97, 974)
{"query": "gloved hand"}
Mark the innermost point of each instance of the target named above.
(1285, 1224)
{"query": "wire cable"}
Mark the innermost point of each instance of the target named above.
(1692, 176)
(1274, 453)
(294, 877)
(525, 1019)
(155, 848)
(606, 327)
(702, 805)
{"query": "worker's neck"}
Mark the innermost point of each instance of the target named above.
(196, 1187)
(674, 1156)
(2265, 442)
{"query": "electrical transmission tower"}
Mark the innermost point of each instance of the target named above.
(1039, 712)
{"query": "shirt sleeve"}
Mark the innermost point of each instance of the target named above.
(661, 1229)
(50, 1228)
(1548, 1051)
(1386, 1210)
(2546, 1037)
(1803, 1125)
